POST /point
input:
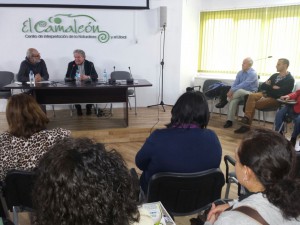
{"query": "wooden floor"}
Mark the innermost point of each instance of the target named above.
(128, 140)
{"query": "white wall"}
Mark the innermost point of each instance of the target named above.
(140, 51)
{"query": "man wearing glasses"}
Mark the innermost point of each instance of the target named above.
(34, 63)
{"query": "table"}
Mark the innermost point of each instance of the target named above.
(61, 92)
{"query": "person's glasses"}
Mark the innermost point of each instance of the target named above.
(36, 55)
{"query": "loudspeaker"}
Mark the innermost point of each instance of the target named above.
(163, 16)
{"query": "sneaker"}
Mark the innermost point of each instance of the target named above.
(221, 104)
(242, 129)
(228, 124)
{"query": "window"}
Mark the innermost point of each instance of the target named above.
(227, 37)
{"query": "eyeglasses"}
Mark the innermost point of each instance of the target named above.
(37, 55)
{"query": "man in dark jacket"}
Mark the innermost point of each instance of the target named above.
(34, 63)
(86, 71)
(279, 84)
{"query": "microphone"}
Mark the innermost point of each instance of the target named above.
(69, 78)
(70, 75)
(114, 68)
(268, 57)
(130, 80)
(130, 72)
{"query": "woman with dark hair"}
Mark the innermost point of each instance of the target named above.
(79, 182)
(265, 165)
(27, 138)
(185, 146)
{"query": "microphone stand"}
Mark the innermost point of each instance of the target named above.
(162, 63)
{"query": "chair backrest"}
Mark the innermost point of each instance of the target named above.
(6, 78)
(120, 75)
(206, 85)
(185, 193)
(17, 188)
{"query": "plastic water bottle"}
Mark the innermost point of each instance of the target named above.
(31, 77)
(104, 76)
(77, 75)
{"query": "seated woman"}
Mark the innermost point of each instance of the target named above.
(79, 182)
(265, 165)
(292, 111)
(185, 146)
(27, 138)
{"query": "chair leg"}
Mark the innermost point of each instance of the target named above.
(53, 110)
(227, 190)
(264, 118)
(71, 110)
(16, 210)
(129, 103)
(135, 105)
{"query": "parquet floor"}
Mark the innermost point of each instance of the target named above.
(129, 140)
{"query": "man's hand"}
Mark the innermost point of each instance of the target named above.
(285, 97)
(38, 77)
(229, 94)
(268, 82)
(84, 77)
(276, 87)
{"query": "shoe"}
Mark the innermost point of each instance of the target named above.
(242, 129)
(228, 124)
(221, 104)
(245, 120)
(88, 109)
(79, 111)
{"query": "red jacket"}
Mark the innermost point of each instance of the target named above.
(296, 96)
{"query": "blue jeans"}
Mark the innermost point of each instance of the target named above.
(280, 116)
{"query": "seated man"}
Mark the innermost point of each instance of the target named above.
(34, 63)
(87, 71)
(279, 84)
(292, 111)
(245, 83)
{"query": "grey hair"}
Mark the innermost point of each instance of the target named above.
(250, 61)
(79, 51)
(29, 52)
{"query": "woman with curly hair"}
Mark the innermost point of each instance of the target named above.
(265, 165)
(27, 138)
(79, 182)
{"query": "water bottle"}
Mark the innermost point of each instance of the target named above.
(31, 77)
(77, 75)
(104, 76)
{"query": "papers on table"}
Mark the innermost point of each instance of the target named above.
(292, 102)
(158, 213)
(40, 82)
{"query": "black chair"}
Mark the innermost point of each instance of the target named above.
(298, 165)
(124, 75)
(205, 88)
(6, 78)
(230, 177)
(186, 193)
(16, 192)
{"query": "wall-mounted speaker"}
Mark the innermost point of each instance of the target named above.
(163, 16)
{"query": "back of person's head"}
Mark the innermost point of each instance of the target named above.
(272, 159)
(79, 182)
(24, 116)
(190, 108)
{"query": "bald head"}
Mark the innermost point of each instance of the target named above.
(247, 63)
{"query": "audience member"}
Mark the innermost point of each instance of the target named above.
(34, 63)
(290, 111)
(279, 84)
(265, 165)
(27, 138)
(185, 146)
(245, 83)
(87, 71)
(79, 182)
